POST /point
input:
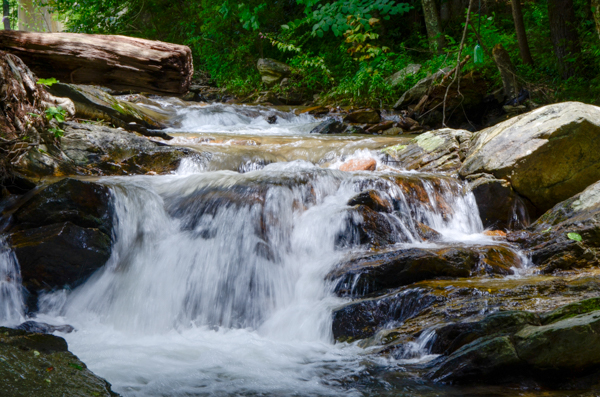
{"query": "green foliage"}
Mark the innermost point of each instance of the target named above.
(574, 236)
(47, 82)
(342, 49)
(56, 113)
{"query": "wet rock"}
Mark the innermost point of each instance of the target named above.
(330, 126)
(441, 150)
(379, 128)
(62, 235)
(570, 310)
(361, 319)
(272, 72)
(314, 110)
(372, 199)
(454, 336)
(369, 228)
(359, 165)
(499, 205)
(84, 204)
(458, 300)
(545, 165)
(393, 131)
(38, 364)
(377, 272)
(480, 361)
(59, 255)
(494, 233)
(93, 103)
(426, 233)
(354, 129)
(363, 116)
(43, 328)
(553, 353)
(567, 236)
(88, 149)
(402, 74)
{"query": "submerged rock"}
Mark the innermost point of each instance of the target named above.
(38, 364)
(43, 328)
(548, 154)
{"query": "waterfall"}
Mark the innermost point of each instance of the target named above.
(217, 284)
(11, 298)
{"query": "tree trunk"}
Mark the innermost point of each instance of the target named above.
(563, 33)
(596, 12)
(437, 41)
(6, 14)
(521, 35)
(507, 72)
(117, 62)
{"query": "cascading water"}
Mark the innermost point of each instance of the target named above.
(217, 280)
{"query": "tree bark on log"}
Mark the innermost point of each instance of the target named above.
(118, 62)
(596, 11)
(437, 41)
(563, 33)
(521, 35)
(507, 72)
(6, 14)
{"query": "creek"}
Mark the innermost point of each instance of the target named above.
(217, 283)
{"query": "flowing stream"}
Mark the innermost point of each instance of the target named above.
(217, 281)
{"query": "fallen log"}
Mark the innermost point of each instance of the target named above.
(117, 62)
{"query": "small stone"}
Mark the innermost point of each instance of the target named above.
(359, 165)
(494, 233)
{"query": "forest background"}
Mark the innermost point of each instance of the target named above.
(344, 51)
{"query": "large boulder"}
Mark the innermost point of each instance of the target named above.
(440, 151)
(272, 72)
(548, 155)
(62, 235)
(88, 149)
(567, 236)
(35, 364)
(94, 103)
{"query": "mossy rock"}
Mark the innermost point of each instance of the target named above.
(41, 365)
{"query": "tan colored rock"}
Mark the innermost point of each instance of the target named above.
(359, 165)
(548, 154)
(363, 116)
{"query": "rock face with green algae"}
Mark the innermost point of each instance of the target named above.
(558, 352)
(439, 151)
(41, 365)
(548, 154)
(93, 103)
(88, 149)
